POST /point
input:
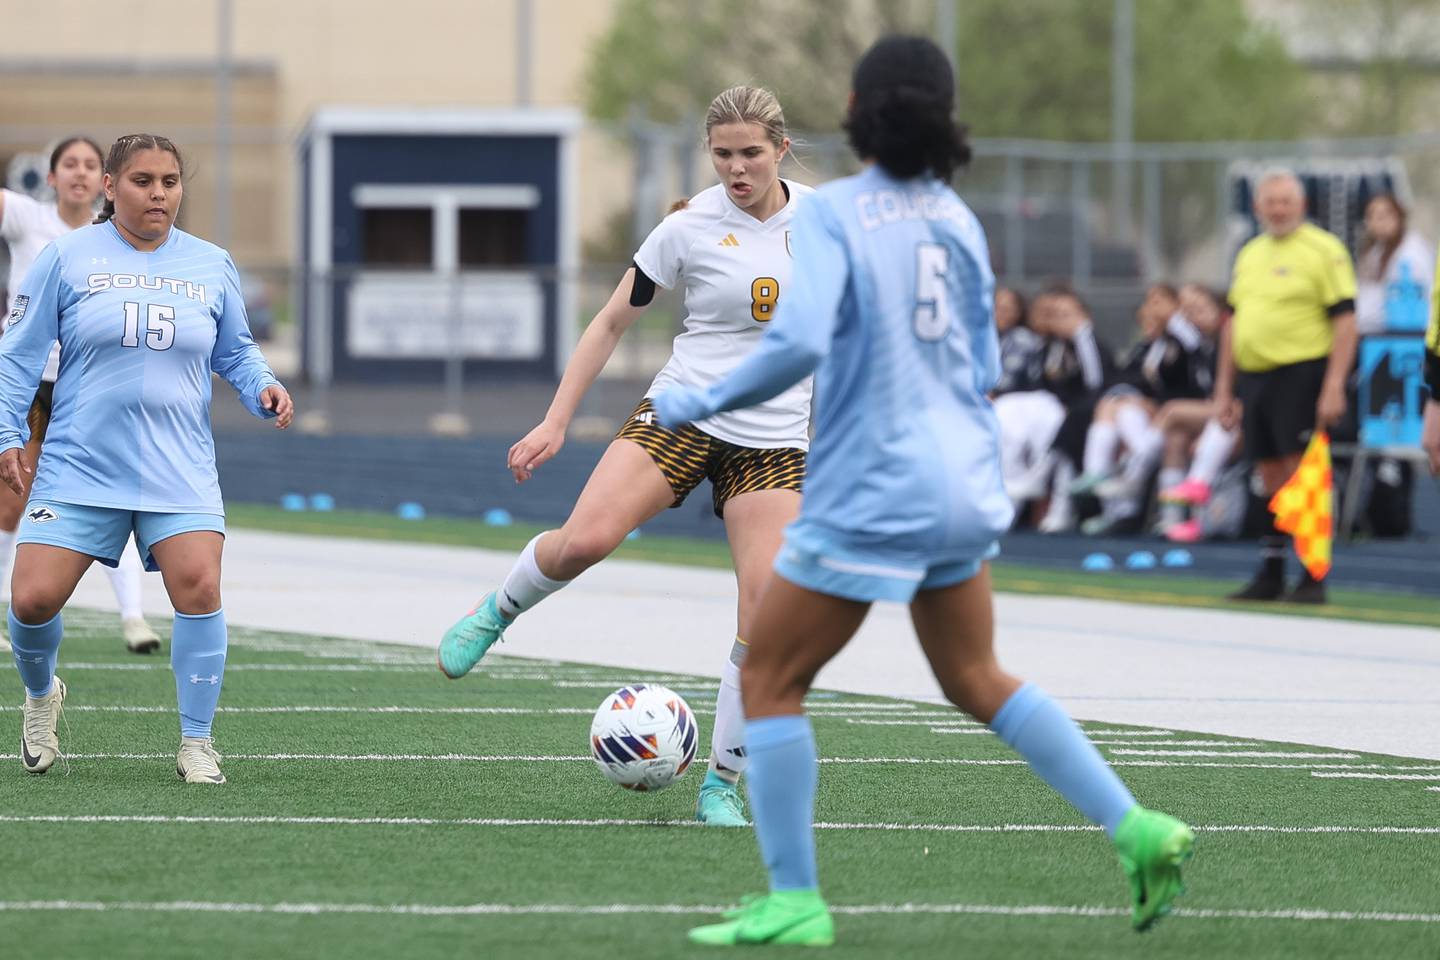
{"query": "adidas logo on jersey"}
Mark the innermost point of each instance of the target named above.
(647, 418)
(730, 241)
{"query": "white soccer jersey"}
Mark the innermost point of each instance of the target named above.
(28, 226)
(735, 269)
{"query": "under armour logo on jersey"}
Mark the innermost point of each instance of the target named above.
(729, 241)
(213, 679)
(99, 261)
(17, 309)
(42, 515)
(647, 418)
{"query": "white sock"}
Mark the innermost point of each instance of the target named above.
(1133, 425)
(1062, 507)
(125, 581)
(727, 737)
(1171, 477)
(525, 585)
(7, 562)
(1101, 443)
(1211, 451)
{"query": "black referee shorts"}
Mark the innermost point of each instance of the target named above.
(1280, 408)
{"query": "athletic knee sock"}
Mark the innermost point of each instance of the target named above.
(125, 581)
(1101, 442)
(1272, 551)
(197, 656)
(727, 736)
(7, 562)
(35, 648)
(1211, 451)
(1171, 477)
(1133, 425)
(1060, 754)
(525, 585)
(782, 797)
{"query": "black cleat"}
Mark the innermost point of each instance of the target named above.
(1307, 590)
(1265, 587)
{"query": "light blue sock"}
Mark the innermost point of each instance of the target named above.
(1056, 749)
(197, 655)
(781, 781)
(35, 647)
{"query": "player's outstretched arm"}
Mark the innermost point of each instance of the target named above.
(236, 357)
(596, 345)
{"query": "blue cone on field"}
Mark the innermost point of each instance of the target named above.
(292, 501)
(322, 502)
(1140, 560)
(1095, 562)
(410, 511)
(1177, 558)
(496, 517)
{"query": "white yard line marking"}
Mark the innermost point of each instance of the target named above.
(686, 823)
(1091, 732)
(823, 712)
(1378, 776)
(1176, 743)
(958, 721)
(1294, 914)
(1274, 754)
(585, 758)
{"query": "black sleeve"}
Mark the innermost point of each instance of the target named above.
(1344, 306)
(1432, 374)
(643, 289)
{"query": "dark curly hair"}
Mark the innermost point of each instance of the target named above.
(901, 114)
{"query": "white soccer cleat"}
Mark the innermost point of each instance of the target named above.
(198, 762)
(39, 743)
(139, 638)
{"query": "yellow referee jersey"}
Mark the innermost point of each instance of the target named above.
(1432, 341)
(1284, 293)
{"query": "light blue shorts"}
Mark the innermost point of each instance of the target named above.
(857, 575)
(102, 532)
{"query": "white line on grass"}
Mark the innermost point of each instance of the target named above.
(1377, 776)
(659, 822)
(1176, 743)
(1294, 914)
(1273, 754)
(826, 711)
(585, 758)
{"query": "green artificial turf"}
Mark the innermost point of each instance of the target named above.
(292, 695)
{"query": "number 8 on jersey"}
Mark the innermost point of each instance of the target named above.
(764, 294)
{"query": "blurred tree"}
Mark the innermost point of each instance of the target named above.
(1040, 69)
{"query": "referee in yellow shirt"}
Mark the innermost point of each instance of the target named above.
(1430, 439)
(1287, 356)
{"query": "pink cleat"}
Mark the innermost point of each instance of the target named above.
(1192, 493)
(1187, 531)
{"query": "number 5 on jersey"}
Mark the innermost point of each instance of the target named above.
(764, 294)
(159, 326)
(932, 304)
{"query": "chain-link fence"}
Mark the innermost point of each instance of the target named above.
(1107, 220)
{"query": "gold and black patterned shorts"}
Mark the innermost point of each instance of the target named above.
(688, 455)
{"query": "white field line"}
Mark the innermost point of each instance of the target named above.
(421, 666)
(1175, 743)
(585, 758)
(1271, 754)
(958, 721)
(1127, 733)
(1294, 914)
(686, 823)
(824, 712)
(1378, 776)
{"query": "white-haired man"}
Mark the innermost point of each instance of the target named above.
(1288, 353)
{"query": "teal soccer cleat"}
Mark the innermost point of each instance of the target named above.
(719, 803)
(465, 643)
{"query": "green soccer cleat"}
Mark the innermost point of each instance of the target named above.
(465, 643)
(719, 803)
(796, 918)
(1152, 846)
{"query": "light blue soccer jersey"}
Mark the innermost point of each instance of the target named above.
(892, 299)
(139, 335)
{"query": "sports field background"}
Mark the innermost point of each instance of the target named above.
(377, 810)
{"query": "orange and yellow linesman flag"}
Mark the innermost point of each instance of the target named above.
(1303, 507)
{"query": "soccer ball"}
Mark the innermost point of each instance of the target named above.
(643, 737)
